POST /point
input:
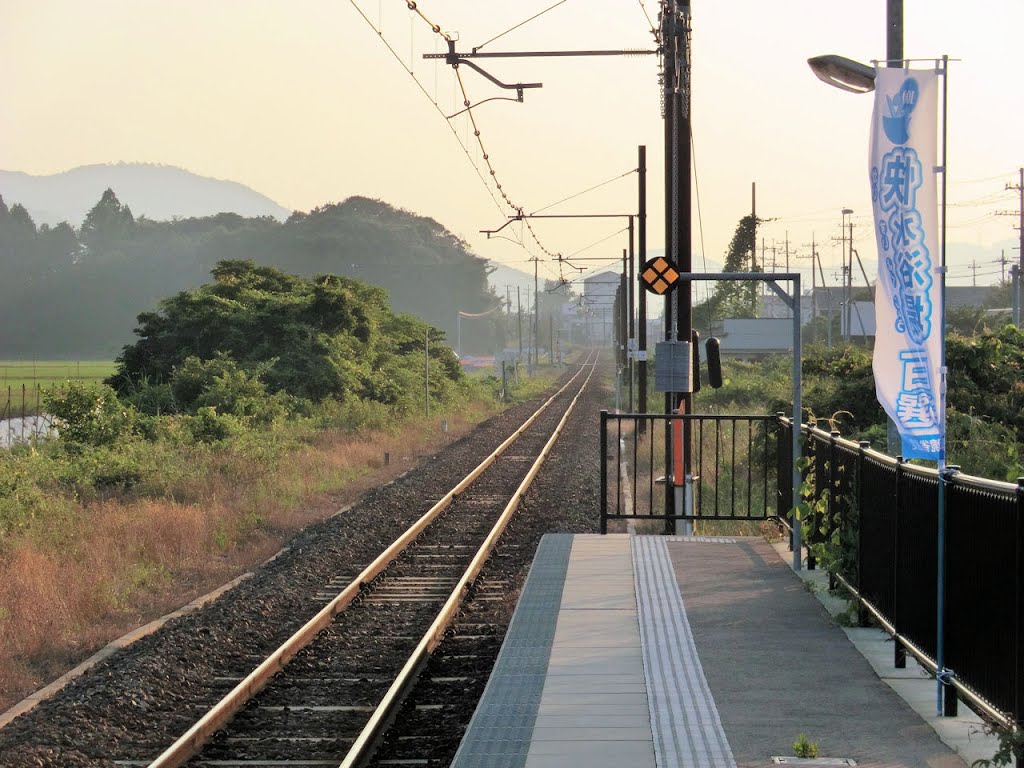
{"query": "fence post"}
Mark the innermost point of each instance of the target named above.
(812, 524)
(604, 471)
(862, 614)
(949, 697)
(1018, 635)
(830, 522)
(899, 660)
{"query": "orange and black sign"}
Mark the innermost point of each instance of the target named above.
(659, 275)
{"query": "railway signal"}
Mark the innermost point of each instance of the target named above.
(659, 275)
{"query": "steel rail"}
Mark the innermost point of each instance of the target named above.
(193, 740)
(385, 712)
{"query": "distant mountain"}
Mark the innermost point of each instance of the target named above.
(158, 192)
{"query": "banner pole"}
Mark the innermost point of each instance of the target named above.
(940, 651)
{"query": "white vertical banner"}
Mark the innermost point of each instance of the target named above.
(908, 301)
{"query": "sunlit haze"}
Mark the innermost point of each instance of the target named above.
(304, 102)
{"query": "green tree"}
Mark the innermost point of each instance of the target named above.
(734, 298)
(106, 224)
(325, 337)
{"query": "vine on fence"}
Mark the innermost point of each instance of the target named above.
(829, 518)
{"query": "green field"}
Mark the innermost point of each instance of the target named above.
(26, 378)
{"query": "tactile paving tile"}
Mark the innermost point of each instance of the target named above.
(687, 729)
(499, 733)
(701, 539)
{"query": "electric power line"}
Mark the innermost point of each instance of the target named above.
(520, 24)
(588, 189)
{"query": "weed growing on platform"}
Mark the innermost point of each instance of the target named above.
(804, 747)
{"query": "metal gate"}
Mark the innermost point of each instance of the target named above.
(736, 464)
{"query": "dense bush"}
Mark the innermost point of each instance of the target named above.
(256, 331)
(86, 413)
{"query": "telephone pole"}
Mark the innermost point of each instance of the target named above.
(1019, 213)
(814, 280)
(675, 41)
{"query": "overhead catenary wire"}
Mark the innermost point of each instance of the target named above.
(520, 24)
(437, 107)
(436, 28)
(472, 123)
(700, 228)
(597, 242)
(585, 191)
(654, 27)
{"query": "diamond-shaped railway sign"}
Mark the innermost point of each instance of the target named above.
(659, 275)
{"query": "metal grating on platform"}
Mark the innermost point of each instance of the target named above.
(499, 733)
(687, 729)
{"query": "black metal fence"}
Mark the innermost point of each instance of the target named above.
(875, 519)
(735, 467)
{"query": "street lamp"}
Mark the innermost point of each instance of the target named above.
(845, 74)
(849, 75)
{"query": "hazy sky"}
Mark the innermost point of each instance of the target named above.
(302, 101)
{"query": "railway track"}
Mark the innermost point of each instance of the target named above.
(327, 695)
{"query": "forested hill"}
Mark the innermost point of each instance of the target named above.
(75, 293)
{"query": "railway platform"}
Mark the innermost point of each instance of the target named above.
(707, 652)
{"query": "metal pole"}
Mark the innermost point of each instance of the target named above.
(426, 372)
(797, 412)
(671, 98)
(536, 314)
(682, 209)
(642, 309)
(1015, 290)
(1020, 256)
(519, 310)
(894, 31)
(940, 618)
(631, 334)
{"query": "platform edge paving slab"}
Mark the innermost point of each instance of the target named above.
(603, 643)
(500, 730)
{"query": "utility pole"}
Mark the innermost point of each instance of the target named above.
(536, 313)
(631, 333)
(849, 285)
(1019, 188)
(642, 308)
(753, 224)
(519, 307)
(677, 83)
(1015, 293)
(787, 250)
(753, 241)
(974, 273)
(814, 279)
(821, 271)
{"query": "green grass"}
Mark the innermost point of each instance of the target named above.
(30, 377)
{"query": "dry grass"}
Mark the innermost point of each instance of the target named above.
(104, 566)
